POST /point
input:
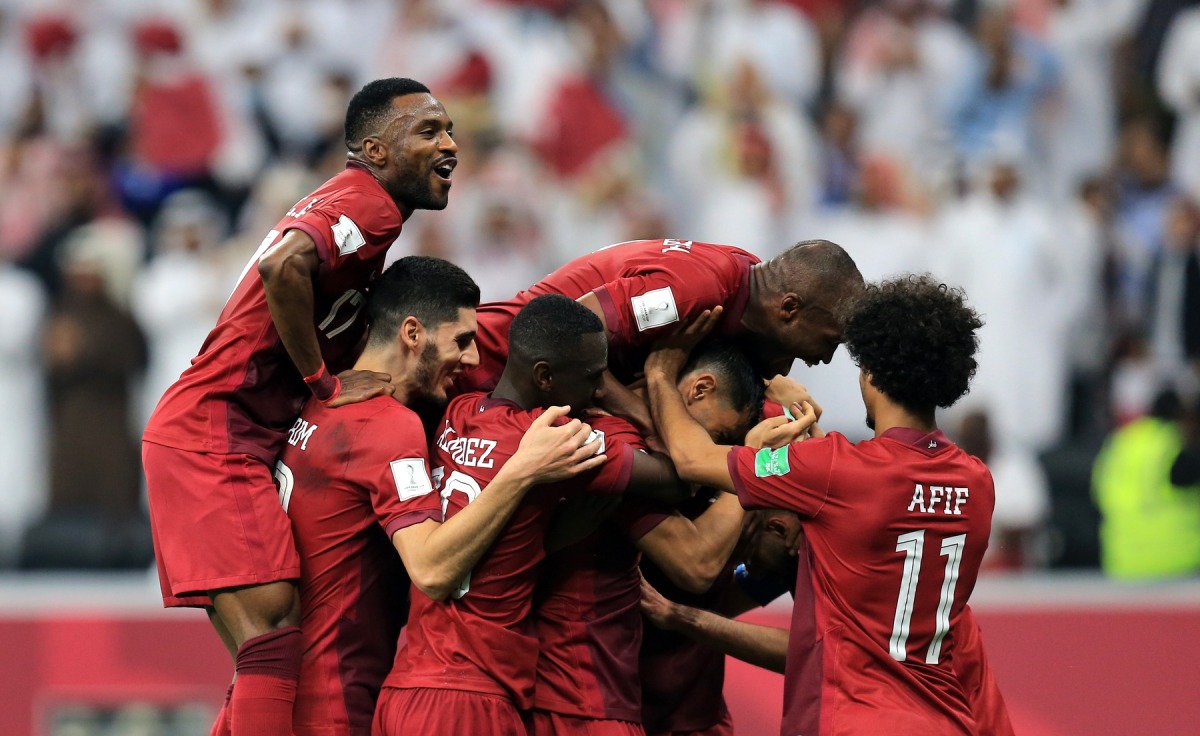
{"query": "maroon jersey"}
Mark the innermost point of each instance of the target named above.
(242, 392)
(589, 620)
(896, 529)
(482, 638)
(643, 286)
(349, 478)
(682, 679)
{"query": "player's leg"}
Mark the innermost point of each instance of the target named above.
(218, 526)
(263, 621)
(401, 712)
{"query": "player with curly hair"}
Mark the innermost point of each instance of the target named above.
(896, 527)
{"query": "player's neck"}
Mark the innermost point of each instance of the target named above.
(517, 392)
(889, 415)
(755, 318)
(384, 361)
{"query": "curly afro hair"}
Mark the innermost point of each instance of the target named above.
(916, 338)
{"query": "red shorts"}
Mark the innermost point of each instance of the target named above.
(217, 523)
(546, 723)
(429, 711)
(724, 728)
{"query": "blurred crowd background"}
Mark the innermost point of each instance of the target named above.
(1043, 154)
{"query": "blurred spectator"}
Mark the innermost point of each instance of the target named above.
(94, 353)
(1151, 527)
(1000, 244)
(1145, 191)
(22, 434)
(744, 165)
(899, 62)
(179, 293)
(174, 125)
(1179, 85)
(999, 90)
(1022, 496)
(1174, 307)
(839, 155)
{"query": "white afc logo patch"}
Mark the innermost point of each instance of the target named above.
(654, 309)
(410, 477)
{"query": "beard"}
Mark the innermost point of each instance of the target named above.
(415, 189)
(870, 421)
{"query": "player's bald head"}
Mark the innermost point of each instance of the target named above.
(820, 271)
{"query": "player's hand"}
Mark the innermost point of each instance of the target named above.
(776, 432)
(656, 608)
(361, 385)
(785, 392)
(671, 353)
(548, 453)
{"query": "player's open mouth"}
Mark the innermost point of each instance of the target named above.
(445, 168)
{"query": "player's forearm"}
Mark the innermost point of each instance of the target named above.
(718, 530)
(697, 458)
(762, 646)
(454, 548)
(287, 276)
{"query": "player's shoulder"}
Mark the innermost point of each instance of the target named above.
(380, 410)
(357, 192)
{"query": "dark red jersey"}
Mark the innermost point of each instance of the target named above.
(242, 392)
(349, 478)
(483, 638)
(683, 680)
(589, 620)
(896, 529)
(646, 288)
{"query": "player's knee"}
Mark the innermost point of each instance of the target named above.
(253, 611)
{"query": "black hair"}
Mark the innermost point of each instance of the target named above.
(916, 338)
(821, 272)
(430, 289)
(370, 105)
(740, 383)
(549, 328)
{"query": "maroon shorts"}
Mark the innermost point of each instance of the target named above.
(429, 711)
(723, 728)
(217, 523)
(546, 723)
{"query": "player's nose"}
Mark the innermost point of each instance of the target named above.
(470, 356)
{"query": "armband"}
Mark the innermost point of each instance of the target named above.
(324, 385)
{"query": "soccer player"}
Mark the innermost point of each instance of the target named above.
(468, 663)
(588, 621)
(355, 483)
(221, 538)
(786, 308)
(896, 526)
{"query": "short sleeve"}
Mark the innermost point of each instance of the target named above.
(637, 516)
(391, 458)
(619, 441)
(795, 477)
(640, 308)
(351, 225)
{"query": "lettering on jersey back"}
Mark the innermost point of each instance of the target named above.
(298, 211)
(301, 433)
(947, 498)
(472, 452)
(677, 246)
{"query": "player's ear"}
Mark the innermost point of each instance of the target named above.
(543, 377)
(374, 150)
(702, 385)
(411, 332)
(790, 305)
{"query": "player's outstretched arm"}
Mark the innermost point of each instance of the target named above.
(762, 646)
(697, 458)
(287, 272)
(439, 555)
(693, 553)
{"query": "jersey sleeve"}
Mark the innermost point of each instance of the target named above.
(636, 516)
(391, 457)
(619, 441)
(352, 225)
(640, 308)
(795, 477)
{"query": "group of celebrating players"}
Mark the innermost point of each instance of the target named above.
(409, 513)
